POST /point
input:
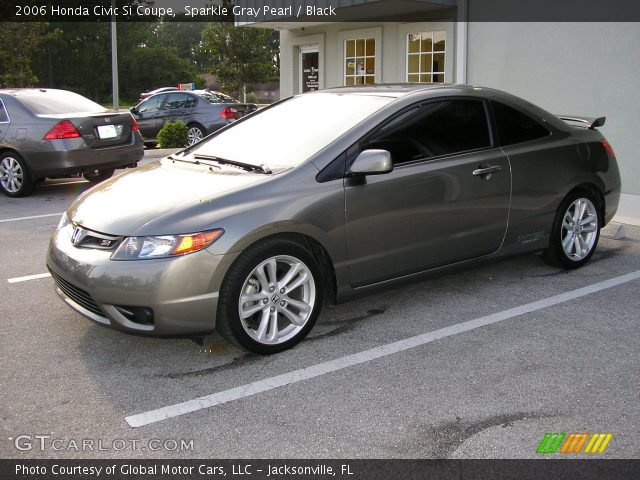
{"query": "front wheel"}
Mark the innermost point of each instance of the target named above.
(271, 297)
(575, 231)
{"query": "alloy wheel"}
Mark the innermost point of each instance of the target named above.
(579, 229)
(277, 299)
(194, 135)
(11, 174)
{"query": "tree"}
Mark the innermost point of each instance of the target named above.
(182, 36)
(19, 43)
(75, 56)
(152, 67)
(241, 56)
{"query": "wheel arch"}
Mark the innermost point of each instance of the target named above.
(317, 250)
(194, 123)
(594, 190)
(4, 150)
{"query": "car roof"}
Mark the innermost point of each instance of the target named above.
(391, 89)
(17, 92)
(406, 92)
(398, 90)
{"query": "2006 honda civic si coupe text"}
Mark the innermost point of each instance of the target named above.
(326, 195)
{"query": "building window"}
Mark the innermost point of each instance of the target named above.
(425, 57)
(359, 61)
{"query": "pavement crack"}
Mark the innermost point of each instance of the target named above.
(449, 436)
(238, 362)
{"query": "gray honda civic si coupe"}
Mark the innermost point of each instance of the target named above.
(328, 195)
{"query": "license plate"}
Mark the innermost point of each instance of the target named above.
(107, 131)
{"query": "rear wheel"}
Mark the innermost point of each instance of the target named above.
(270, 298)
(97, 176)
(195, 133)
(15, 180)
(575, 232)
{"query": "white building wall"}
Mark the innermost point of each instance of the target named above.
(390, 38)
(588, 69)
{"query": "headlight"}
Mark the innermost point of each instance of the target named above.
(162, 246)
(64, 221)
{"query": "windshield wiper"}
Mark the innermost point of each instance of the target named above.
(262, 168)
(194, 162)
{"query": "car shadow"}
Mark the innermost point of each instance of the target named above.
(60, 187)
(139, 373)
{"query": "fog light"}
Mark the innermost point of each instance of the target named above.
(141, 315)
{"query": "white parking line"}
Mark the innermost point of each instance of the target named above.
(28, 277)
(296, 376)
(29, 218)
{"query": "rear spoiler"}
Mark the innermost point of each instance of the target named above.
(588, 122)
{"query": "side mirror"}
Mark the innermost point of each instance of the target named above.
(134, 110)
(372, 162)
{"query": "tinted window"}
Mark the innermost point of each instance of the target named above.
(516, 127)
(434, 129)
(179, 100)
(4, 117)
(150, 105)
(57, 101)
(224, 98)
(191, 101)
(217, 97)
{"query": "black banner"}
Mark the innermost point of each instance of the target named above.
(566, 469)
(278, 11)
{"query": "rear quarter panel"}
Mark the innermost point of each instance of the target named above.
(544, 171)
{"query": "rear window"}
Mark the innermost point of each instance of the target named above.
(52, 102)
(4, 117)
(516, 127)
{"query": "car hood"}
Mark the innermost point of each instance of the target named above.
(126, 203)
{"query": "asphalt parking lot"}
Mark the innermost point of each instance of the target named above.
(533, 362)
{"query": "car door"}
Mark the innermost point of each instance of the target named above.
(177, 107)
(146, 114)
(446, 200)
(4, 120)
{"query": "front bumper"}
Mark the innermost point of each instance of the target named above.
(182, 292)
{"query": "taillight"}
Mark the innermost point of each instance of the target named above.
(228, 113)
(609, 150)
(134, 125)
(63, 129)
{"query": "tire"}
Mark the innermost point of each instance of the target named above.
(15, 179)
(98, 176)
(195, 133)
(572, 243)
(252, 300)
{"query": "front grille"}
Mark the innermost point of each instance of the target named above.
(76, 294)
(81, 237)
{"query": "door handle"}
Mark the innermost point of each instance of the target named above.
(482, 171)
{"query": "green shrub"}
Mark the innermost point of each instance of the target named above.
(252, 98)
(173, 135)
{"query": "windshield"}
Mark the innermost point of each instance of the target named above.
(289, 133)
